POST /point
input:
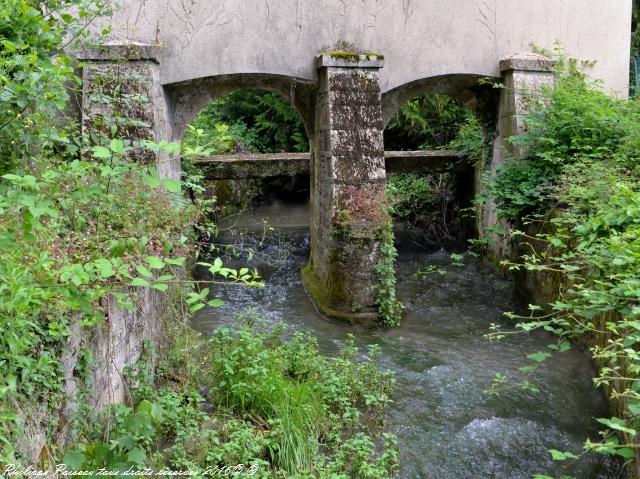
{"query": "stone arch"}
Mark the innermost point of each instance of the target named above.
(467, 89)
(187, 99)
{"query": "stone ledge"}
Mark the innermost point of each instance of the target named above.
(528, 62)
(256, 165)
(350, 60)
(121, 52)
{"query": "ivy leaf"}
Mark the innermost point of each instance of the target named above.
(617, 424)
(561, 456)
(215, 303)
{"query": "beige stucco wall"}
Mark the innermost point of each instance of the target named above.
(420, 38)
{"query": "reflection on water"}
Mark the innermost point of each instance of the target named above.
(448, 428)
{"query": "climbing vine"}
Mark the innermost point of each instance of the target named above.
(389, 307)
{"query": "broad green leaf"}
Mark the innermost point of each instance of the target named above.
(172, 186)
(561, 456)
(154, 262)
(137, 456)
(101, 152)
(617, 424)
(117, 146)
(175, 261)
(144, 271)
(539, 356)
(196, 307)
(140, 282)
(74, 459)
(104, 268)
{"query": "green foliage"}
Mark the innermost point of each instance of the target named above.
(80, 229)
(279, 407)
(585, 145)
(35, 74)
(248, 120)
(389, 307)
(635, 47)
(580, 121)
(426, 122)
(469, 140)
(71, 234)
(431, 201)
(410, 195)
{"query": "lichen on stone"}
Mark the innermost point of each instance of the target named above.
(354, 55)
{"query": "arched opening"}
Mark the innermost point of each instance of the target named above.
(435, 207)
(242, 123)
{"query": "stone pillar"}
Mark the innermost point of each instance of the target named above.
(121, 89)
(523, 76)
(348, 181)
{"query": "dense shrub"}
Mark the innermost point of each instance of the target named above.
(252, 121)
(276, 406)
(582, 181)
(580, 121)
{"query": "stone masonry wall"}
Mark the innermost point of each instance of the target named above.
(348, 188)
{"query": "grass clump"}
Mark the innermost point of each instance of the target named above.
(248, 396)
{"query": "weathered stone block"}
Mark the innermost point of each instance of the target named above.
(357, 141)
(368, 168)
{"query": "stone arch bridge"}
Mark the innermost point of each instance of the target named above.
(326, 57)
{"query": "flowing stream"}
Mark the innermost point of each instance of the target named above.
(448, 427)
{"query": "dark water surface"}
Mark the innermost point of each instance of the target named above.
(448, 428)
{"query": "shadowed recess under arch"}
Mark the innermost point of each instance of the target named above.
(187, 99)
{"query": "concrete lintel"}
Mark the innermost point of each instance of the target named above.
(121, 52)
(528, 62)
(222, 167)
(422, 162)
(350, 60)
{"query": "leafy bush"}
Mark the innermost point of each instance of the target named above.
(411, 195)
(279, 407)
(579, 121)
(584, 149)
(426, 122)
(35, 74)
(249, 120)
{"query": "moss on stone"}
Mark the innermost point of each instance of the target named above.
(354, 56)
(321, 297)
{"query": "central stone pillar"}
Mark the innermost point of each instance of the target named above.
(348, 181)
